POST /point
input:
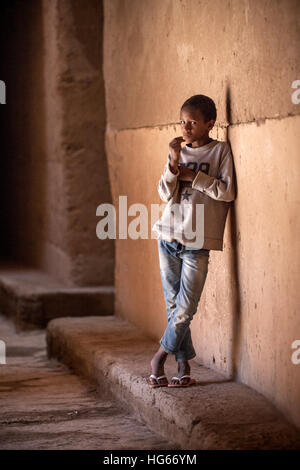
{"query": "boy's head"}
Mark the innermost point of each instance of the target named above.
(198, 115)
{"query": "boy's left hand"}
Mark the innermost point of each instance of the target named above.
(186, 174)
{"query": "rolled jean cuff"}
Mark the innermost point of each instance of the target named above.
(166, 348)
(179, 357)
(182, 358)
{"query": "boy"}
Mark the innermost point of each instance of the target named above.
(199, 173)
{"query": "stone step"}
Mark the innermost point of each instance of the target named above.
(31, 298)
(216, 413)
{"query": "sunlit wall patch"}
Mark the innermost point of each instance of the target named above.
(2, 352)
(2, 92)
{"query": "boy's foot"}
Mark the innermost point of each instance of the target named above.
(160, 381)
(183, 369)
(157, 365)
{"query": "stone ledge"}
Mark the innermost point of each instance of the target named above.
(31, 298)
(216, 413)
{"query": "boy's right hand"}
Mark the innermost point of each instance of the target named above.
(175, 148)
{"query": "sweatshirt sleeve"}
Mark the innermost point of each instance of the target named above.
(220, 188)
(167, 183)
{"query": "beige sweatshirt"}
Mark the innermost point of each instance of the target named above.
(195, 213)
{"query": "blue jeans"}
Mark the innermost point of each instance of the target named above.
(183, 274)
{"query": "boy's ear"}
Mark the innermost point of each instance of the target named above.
(211, 124)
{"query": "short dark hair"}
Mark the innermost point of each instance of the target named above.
(205, 105)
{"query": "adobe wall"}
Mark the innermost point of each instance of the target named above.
(245, 56)
(76, 117)
(54, 170)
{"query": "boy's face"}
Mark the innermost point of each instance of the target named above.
(193, 126)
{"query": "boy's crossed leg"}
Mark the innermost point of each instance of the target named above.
(183, 276)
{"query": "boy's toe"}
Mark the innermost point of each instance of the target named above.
(185, 380)
(175, 380)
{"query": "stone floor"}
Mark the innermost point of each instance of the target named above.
(44, 405)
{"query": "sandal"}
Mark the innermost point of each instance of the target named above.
(188, 384)
(154, 385)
